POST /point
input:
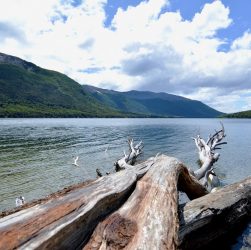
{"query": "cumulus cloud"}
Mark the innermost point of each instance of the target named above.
(145, 47)
(243, 42)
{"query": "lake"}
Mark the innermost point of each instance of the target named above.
(37, 154)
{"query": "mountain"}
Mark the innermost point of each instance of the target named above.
(27, 90)
(243, 114)
(152, 104)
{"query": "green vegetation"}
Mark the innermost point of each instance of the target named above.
(43, 93)
(149, 103)
(27, 90)
(243, 114)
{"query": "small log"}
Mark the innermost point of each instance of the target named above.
(149, 218)
(208, 218)
(65, 222)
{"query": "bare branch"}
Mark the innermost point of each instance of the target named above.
(207, 154)
(129, 159)
(217, 137)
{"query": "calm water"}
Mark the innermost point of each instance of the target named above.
(37, 154)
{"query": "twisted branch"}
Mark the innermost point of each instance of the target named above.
(129, 159)
(207, 153)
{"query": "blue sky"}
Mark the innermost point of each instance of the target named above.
(199, 49)
(112, 6)
(240, 14)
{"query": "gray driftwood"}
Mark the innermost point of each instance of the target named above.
(207, 151)
(127, 211)
(211, 216)
(149, 218)
(65, 222)
(129, 159)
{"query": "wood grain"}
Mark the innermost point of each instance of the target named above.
(149, 218)
(211, 216)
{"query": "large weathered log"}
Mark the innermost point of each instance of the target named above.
(148, 220)
(211, 216)
(147, 217)
(65, 222)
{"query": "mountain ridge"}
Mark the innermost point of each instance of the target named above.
(27, 90)
(148, 102)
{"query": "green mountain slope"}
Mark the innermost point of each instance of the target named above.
(243, 114)
(27, 90)
(152, 104)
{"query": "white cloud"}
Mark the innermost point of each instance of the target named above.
(225, 102)
(145, 47)
(212, 18)
(243, 42)
(136, 19)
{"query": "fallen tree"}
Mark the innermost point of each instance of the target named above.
(136, 208)
(67, 221)
(149, 218)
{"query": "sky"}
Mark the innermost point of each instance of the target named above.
(199, 49)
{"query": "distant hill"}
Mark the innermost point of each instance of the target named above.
(27, 90)
(152, 104)
(243, 114)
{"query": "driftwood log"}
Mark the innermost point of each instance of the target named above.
(66, 222)
(149, 218)
(208, 156)
(208, 218)
(127, 211)
(129, 159)
(136, 208)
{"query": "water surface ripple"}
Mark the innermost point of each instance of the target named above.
(37, 154)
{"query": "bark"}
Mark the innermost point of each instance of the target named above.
(149, 219)
(136, 208)
(208, 218)
(65, 222)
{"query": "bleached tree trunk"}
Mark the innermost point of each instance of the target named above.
(207, 152)
(141, 205)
